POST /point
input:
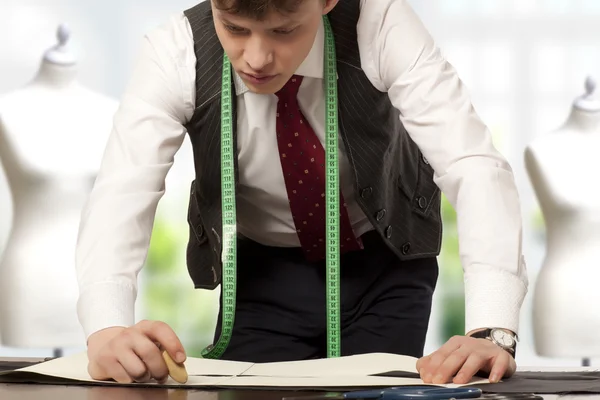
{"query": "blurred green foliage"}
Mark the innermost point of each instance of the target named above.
(451, 285)
(164, 246)
(169, 295)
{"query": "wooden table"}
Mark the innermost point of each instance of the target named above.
(51, 392)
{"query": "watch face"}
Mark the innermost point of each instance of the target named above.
(502, 338)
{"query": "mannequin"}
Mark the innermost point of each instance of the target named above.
(563, 169)
(52, 135)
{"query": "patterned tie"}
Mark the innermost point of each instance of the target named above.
(303, 162)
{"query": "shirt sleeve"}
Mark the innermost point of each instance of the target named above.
(400, 57)
(118, 218)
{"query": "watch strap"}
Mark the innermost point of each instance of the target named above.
(482, 334)
(487, 334)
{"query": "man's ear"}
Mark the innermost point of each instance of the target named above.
(328, 5)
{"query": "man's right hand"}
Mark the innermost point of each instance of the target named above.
(133, 354)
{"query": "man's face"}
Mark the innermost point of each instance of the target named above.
(266, 53)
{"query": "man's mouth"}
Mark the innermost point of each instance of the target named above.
(257, 78)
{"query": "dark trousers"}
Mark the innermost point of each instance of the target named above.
(281, 307)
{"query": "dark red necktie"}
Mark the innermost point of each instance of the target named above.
(303, 162)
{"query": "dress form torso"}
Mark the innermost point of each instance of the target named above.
(52, 134)
(563, 168)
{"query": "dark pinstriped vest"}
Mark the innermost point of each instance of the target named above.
(393, 182)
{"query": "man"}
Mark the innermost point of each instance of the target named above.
(406, 128)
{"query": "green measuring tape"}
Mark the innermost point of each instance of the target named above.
(332, 207)
(332, 203)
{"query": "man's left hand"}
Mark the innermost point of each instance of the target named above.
(461, 357)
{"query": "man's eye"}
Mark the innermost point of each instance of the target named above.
(284, 31)
(234, 29)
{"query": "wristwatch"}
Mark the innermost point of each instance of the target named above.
(502, 338)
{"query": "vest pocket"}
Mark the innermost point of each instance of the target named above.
(426, 193)
(199, 257)
(419, 187)
(193, 217)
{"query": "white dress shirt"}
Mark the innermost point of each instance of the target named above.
(399, 57)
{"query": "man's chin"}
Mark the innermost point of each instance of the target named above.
(269, 88)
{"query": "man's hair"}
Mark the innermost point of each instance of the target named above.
(257, 9)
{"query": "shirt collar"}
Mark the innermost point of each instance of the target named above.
(311, 67)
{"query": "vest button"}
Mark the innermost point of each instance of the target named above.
(380, 214)
(406, 248)
(425, 160)
(388, 232)
(200, 230)
(422, 201)
(366, 192)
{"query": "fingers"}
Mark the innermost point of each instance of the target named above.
(135, 368)
(500, 367)
(165, 336)
(451, 365)
(97, 372)
(150, 356)
(105, 367)
(463, 357)
(428, 366)
(472, 365)
(421, 362)
(121, 375)
(134, 355)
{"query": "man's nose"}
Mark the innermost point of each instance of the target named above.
(258, 54)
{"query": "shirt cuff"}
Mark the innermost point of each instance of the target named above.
(104, 305)
(493, 298)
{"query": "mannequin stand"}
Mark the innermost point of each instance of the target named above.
(586, 362)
